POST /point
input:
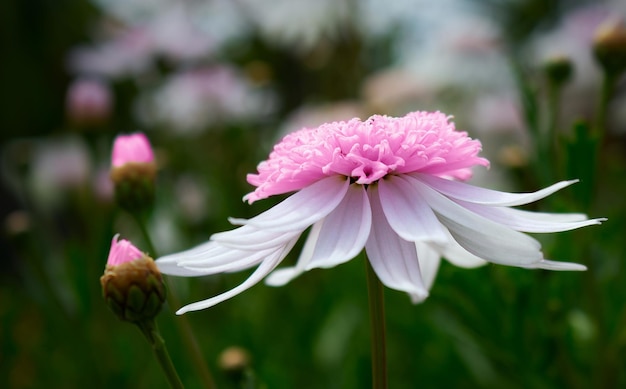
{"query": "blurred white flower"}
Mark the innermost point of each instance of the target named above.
(126, 52)
(191, 100)
(298, 24)
(56, 167)
(441, 46)
(175, 35)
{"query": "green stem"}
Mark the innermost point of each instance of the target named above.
(184, 328)
(142, 223)
(377, 321)
(151, 332)
(608, 86)
(191, 343)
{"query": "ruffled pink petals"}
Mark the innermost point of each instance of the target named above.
(393, 259)
(366, 151)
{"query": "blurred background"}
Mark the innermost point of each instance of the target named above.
(214, 84)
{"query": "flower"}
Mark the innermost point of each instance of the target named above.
(133, 172)
(389, 185)
(132, 285)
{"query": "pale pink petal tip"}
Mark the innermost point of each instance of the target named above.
(122, 251)
(366, 151)
(131, 148)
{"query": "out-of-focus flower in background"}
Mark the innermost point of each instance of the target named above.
(58, 167)
(573, 38)
(192, 100)
(299, 24)
(124, 52)
(88, 101)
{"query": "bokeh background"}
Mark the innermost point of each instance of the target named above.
(213, 84)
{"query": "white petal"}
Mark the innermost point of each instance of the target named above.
(407, 213)
(280, 277)
(429, 261)
(527, 221)
(264, 269)
(344, 231)
(457, 255)
(303, 208)
(474, 194)
(394, 260)
(172, 268)
(252, 238)
(230, 260)
(553, 265)
(480, 236)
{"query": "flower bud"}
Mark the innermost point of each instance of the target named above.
(88, 102)
(235, 363)
(559, 70)
(609, 47)
(133, 171)
(132, 285)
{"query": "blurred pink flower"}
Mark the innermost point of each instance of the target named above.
(131, 148)
(88, 101)
(122, 251)
(386, 185)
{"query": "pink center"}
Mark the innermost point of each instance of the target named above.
(367, 151)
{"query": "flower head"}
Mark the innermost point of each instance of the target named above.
(389, 186)
(132, 285)
(610, 47)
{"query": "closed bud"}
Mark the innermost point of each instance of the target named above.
(558, 70)
(609, 47)
(132, 285)
(133, 172)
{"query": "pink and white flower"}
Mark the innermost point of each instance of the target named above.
(389, 186)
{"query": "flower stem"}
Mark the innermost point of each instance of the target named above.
(184, 328)
(151, 332)
(143, 226)
(377, 322)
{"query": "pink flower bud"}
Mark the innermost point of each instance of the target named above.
(133, 172)
(132, 286)
(131, 148)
